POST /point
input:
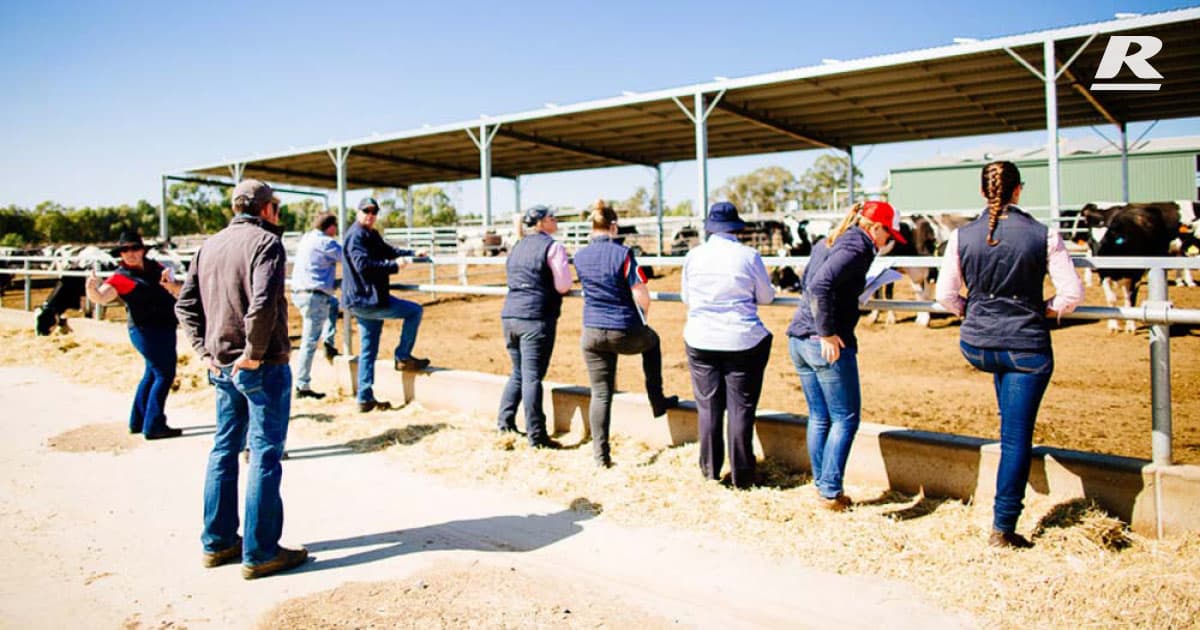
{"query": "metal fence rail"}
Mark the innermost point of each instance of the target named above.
(1156, 310)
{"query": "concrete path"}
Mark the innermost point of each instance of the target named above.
(103, 540)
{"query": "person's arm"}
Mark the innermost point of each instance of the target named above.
(102, 292)
(267, 270)
(764, 291)
(950, 280)
(331, 251)
(556, 258)
(820, 290)
(358, 253)
(1068, 289)
(189, 309)
(636, 278)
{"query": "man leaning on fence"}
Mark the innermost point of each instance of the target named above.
(233, 310)
(313, 277)
(365, 292)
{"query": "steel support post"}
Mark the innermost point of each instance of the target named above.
(850, 177)
(28, 288)
(658, 201)
(701, 121)
(1160, 371)
(339, 155)
(1124, 163)
(484, 143)
(236, 170)
(699, 117)
(408, 208)
(517, 195)
(163, 234)
(1050, 78)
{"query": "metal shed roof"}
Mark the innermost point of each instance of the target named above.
(958, 90)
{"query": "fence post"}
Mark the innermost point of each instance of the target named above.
(28, 286)
(1160, 371)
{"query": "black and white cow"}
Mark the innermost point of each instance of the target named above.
(922, 240)
(69, 290)
(1136, 229)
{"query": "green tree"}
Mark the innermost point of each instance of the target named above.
(826, 175)
(17, 226)
(637, 205)
(681, 209)
(298, 216)
(432, 206)
(767, 189)
(207, 206)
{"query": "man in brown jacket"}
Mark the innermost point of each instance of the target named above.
(233, 309)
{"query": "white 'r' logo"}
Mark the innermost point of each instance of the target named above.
(1117, 54)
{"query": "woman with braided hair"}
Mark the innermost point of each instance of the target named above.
(822, 344)
(1003, 258)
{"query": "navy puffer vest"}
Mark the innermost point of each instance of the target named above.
(1005, 307)
(607, 297)
(531, 293)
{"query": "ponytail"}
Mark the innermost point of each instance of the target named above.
(846, 223)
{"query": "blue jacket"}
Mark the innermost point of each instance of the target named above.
(832, 282)
(369, 260)
(607, 296)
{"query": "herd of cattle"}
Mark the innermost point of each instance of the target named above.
(1125, 230)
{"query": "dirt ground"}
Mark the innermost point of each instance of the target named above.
(399, 508)
(1098, 400)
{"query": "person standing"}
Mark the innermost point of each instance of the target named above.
(370, 261)
(313, 278)
(1003, 258)
(616, 303)
(234, 312)
(727, 344)
(148, 291)
(822, 343)
(537, 276)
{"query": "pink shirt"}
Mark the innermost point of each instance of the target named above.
(1067, 286)
(556, 257)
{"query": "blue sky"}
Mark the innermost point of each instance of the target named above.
(101, 98)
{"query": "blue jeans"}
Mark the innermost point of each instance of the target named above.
(370, 329)
(530, 343)
(252, 408)
(319, 312)
(1020, 378)
(834, 398)
(157, 347)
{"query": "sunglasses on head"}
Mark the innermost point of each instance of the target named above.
(129, 248)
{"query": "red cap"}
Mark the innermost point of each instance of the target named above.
(883, 213)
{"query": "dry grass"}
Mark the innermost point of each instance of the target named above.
(1087, 569)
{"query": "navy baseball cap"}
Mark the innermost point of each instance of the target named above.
(368, 202)
(535, 214)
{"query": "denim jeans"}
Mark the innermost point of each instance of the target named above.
(728, 382)
(252, 409)
(319, 312)
(157, 347)
(530, 343)
(370, 329)
(834, 398)
(600, 349)
(1020, 379)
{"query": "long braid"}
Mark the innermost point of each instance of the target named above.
(1000, 180)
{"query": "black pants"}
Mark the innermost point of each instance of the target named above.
(600, 349)
(530, 343)
(728, 382)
